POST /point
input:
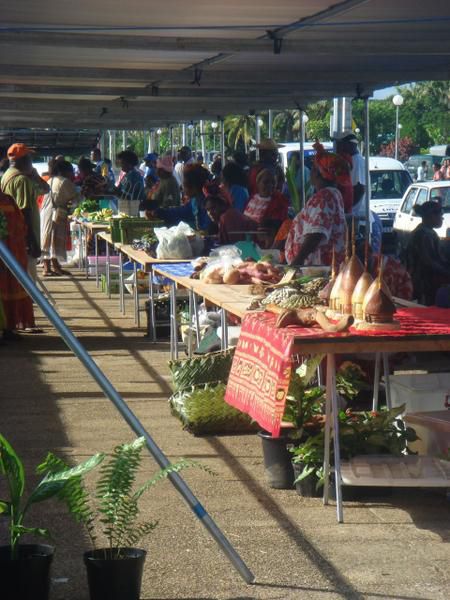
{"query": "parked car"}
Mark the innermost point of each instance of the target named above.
(285, 153)
(406, 219)
(388, 182)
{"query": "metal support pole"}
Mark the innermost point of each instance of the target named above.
(121, 292)
(183, 134)
(257, 129)
(224, 327)
(152, 305)
(108, 271)
(197, 324)
(396, 132)
(302, 156)
(270, 123)
(336, 446)
(367, 165)
(136, 295)
(387, 380)
(124, 139)
(376, 382)
(171, 139)
(96, 259)
(326, 458)
(110, 392)
(222, 141)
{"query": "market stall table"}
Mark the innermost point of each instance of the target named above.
(233, 299)
(262, 364)
(87, 230)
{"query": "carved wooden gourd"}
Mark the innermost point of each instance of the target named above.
(363, 284)
(359, 293)
(378, 306)
(350, 277)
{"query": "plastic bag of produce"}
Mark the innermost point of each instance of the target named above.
(174, 242)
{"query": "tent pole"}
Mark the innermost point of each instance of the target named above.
(302, 156)
(222, 140)
(367, 165)
(113, 395)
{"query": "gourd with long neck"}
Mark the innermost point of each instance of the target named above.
(325, 293)
(378, 306)
(335, 294)
(363, 284)
(350, 276)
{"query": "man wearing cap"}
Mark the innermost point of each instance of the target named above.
(22, 182)
(149, 165)
(347, 144)
(268, 159)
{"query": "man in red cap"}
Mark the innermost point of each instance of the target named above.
(22, 182)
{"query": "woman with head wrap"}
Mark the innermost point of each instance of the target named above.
(320, 226)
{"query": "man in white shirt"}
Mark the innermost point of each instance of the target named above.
(347, 144)
(184, 158)
(422, 171)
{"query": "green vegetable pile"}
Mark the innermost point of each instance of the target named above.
(87, 206)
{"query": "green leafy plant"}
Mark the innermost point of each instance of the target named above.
(304, 402)
(350, 380)
(54, 483)
(360, 433)
(115, 501)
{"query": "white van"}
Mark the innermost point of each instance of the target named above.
(285, 153)
(389, 180)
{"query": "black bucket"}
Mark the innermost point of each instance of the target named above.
(27, 577)
(112, 578)
(277, 461)
(306, 487)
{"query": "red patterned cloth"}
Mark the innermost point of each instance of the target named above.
(261, 369)
(323, 213)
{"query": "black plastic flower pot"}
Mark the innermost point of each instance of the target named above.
(277, 461)
(115, 574)
(306, 487)
(28, 576)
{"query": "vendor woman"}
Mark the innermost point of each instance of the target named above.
(428, 269)
(232, 224)
(320, 226)
(193, 211)
(268, 207)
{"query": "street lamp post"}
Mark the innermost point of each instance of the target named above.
(214, 126)
(397, 101)
(303, 120)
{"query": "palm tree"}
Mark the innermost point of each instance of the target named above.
(286, 123)
(239, 128)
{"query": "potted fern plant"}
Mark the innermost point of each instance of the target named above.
(25, 568)
(114, 571)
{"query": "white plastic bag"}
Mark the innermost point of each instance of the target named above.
(174, 242)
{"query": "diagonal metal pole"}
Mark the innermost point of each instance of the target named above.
(110, 392)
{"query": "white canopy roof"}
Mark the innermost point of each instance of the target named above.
(137, 64)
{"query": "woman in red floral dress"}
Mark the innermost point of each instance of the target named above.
(320, 226)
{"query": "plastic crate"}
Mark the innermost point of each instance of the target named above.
(134, 228)
(433, 429)
(114, 225)
(114, 284)
(420, 391)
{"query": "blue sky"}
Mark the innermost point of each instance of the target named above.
(385, 93)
